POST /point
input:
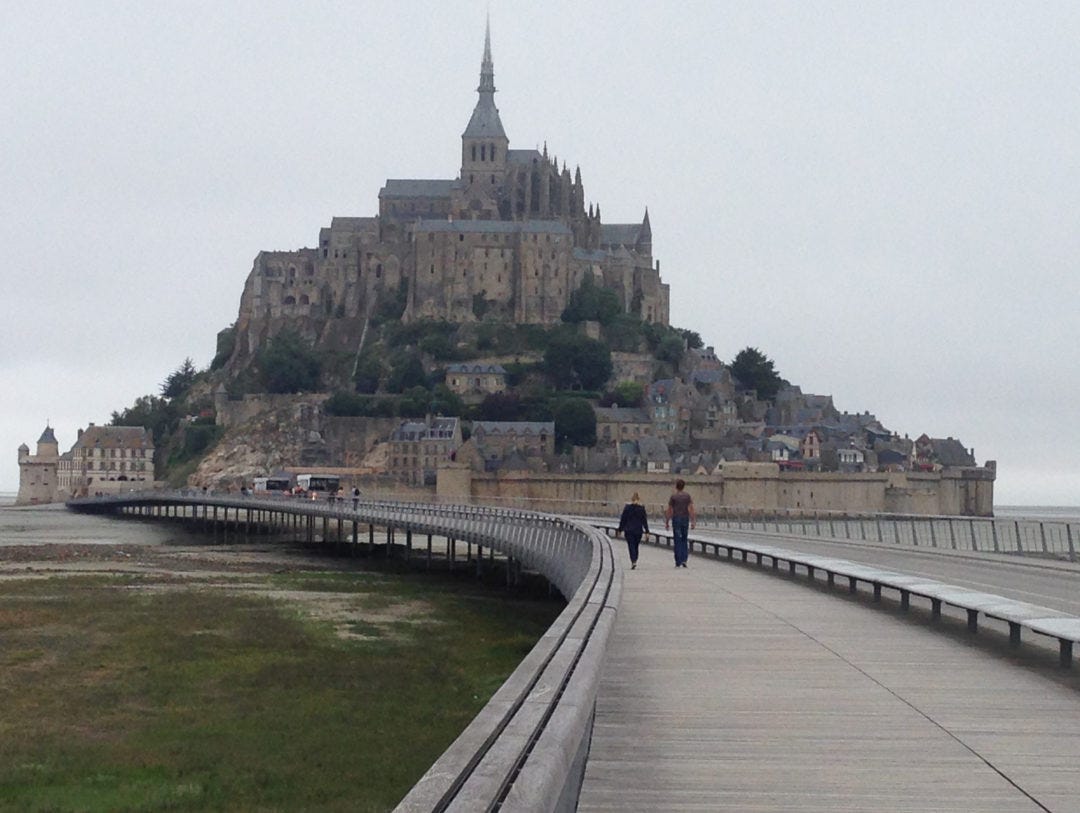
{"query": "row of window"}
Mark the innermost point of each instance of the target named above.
(487, 152)
(121, 453)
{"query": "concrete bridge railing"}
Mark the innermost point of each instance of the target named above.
(526, 748)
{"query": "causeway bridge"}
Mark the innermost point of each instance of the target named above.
(788, 668)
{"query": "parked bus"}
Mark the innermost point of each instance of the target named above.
(322, 483)
(272, 484)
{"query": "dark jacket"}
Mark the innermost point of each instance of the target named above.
(634, 519)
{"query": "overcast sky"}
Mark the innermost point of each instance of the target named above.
(882, 197)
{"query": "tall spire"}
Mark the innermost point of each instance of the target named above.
(487, 67)
(485, 122)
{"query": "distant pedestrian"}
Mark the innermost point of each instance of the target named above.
(680, 517)
(355, 498)
(633, 523)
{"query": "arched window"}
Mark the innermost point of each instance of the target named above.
(491, 151)
(483, 152)
(304, 299)
(474, 152)
(378, 271)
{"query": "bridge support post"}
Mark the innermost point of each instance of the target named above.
(973, 620)
(1065, 653)
(1014, 634)
(905, 599)
(877, 591)
(428, 564)
(935, 609)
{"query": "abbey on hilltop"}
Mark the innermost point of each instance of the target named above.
(508, 239)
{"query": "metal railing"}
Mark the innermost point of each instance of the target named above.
(1032, 537)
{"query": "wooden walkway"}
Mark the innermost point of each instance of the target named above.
(731, 689)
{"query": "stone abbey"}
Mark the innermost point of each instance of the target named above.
(509, 239)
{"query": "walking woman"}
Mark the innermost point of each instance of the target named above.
(633, 523)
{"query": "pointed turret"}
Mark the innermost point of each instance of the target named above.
(644, 238)
(484, 142)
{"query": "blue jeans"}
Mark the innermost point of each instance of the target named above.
(680, 527)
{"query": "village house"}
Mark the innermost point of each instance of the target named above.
(500, 443)
(616, 424)
(475, 380)
(418, 448)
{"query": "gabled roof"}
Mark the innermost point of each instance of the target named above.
(619, 234)
(494, 226)
(654, 449)
(417, 188)
(518, 428)
(476, 369)
(622, 415)
(951, 452)
(523, 156)
(115, 437)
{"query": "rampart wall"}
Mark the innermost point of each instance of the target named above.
(760, 487)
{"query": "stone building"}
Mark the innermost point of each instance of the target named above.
(104, 459)
(476, 380)
(497, 441)
(108, 459)
(418, 448)
(38, 472)
(509, 238)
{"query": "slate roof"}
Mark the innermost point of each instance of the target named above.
(419, 430)
(709, 376)
(353, 224)
(590, 256)
(619, 234)
(654, 449)
(417, 188)
(494, 226)
(951, 452)
(476, 369)
(514, 427)
(622, 414)
(523, 156)
(47, 436)
(115, 437)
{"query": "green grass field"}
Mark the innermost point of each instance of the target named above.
(312, 691)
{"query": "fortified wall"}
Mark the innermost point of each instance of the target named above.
(760, 487)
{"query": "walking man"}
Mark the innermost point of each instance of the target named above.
(680, 517)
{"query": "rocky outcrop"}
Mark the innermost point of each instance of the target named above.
(264, 435)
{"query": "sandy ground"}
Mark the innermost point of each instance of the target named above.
(176, 567)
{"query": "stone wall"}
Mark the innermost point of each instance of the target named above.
(757, 487)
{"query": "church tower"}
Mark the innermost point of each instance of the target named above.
(38, 473)
(484, 142)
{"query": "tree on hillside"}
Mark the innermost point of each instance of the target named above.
(155, 414)
(625, 394)
(575, 422)
(755, 370)
(288, 364)
(577, 361)
(592, 303)
(180, 381)
(500, 406)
